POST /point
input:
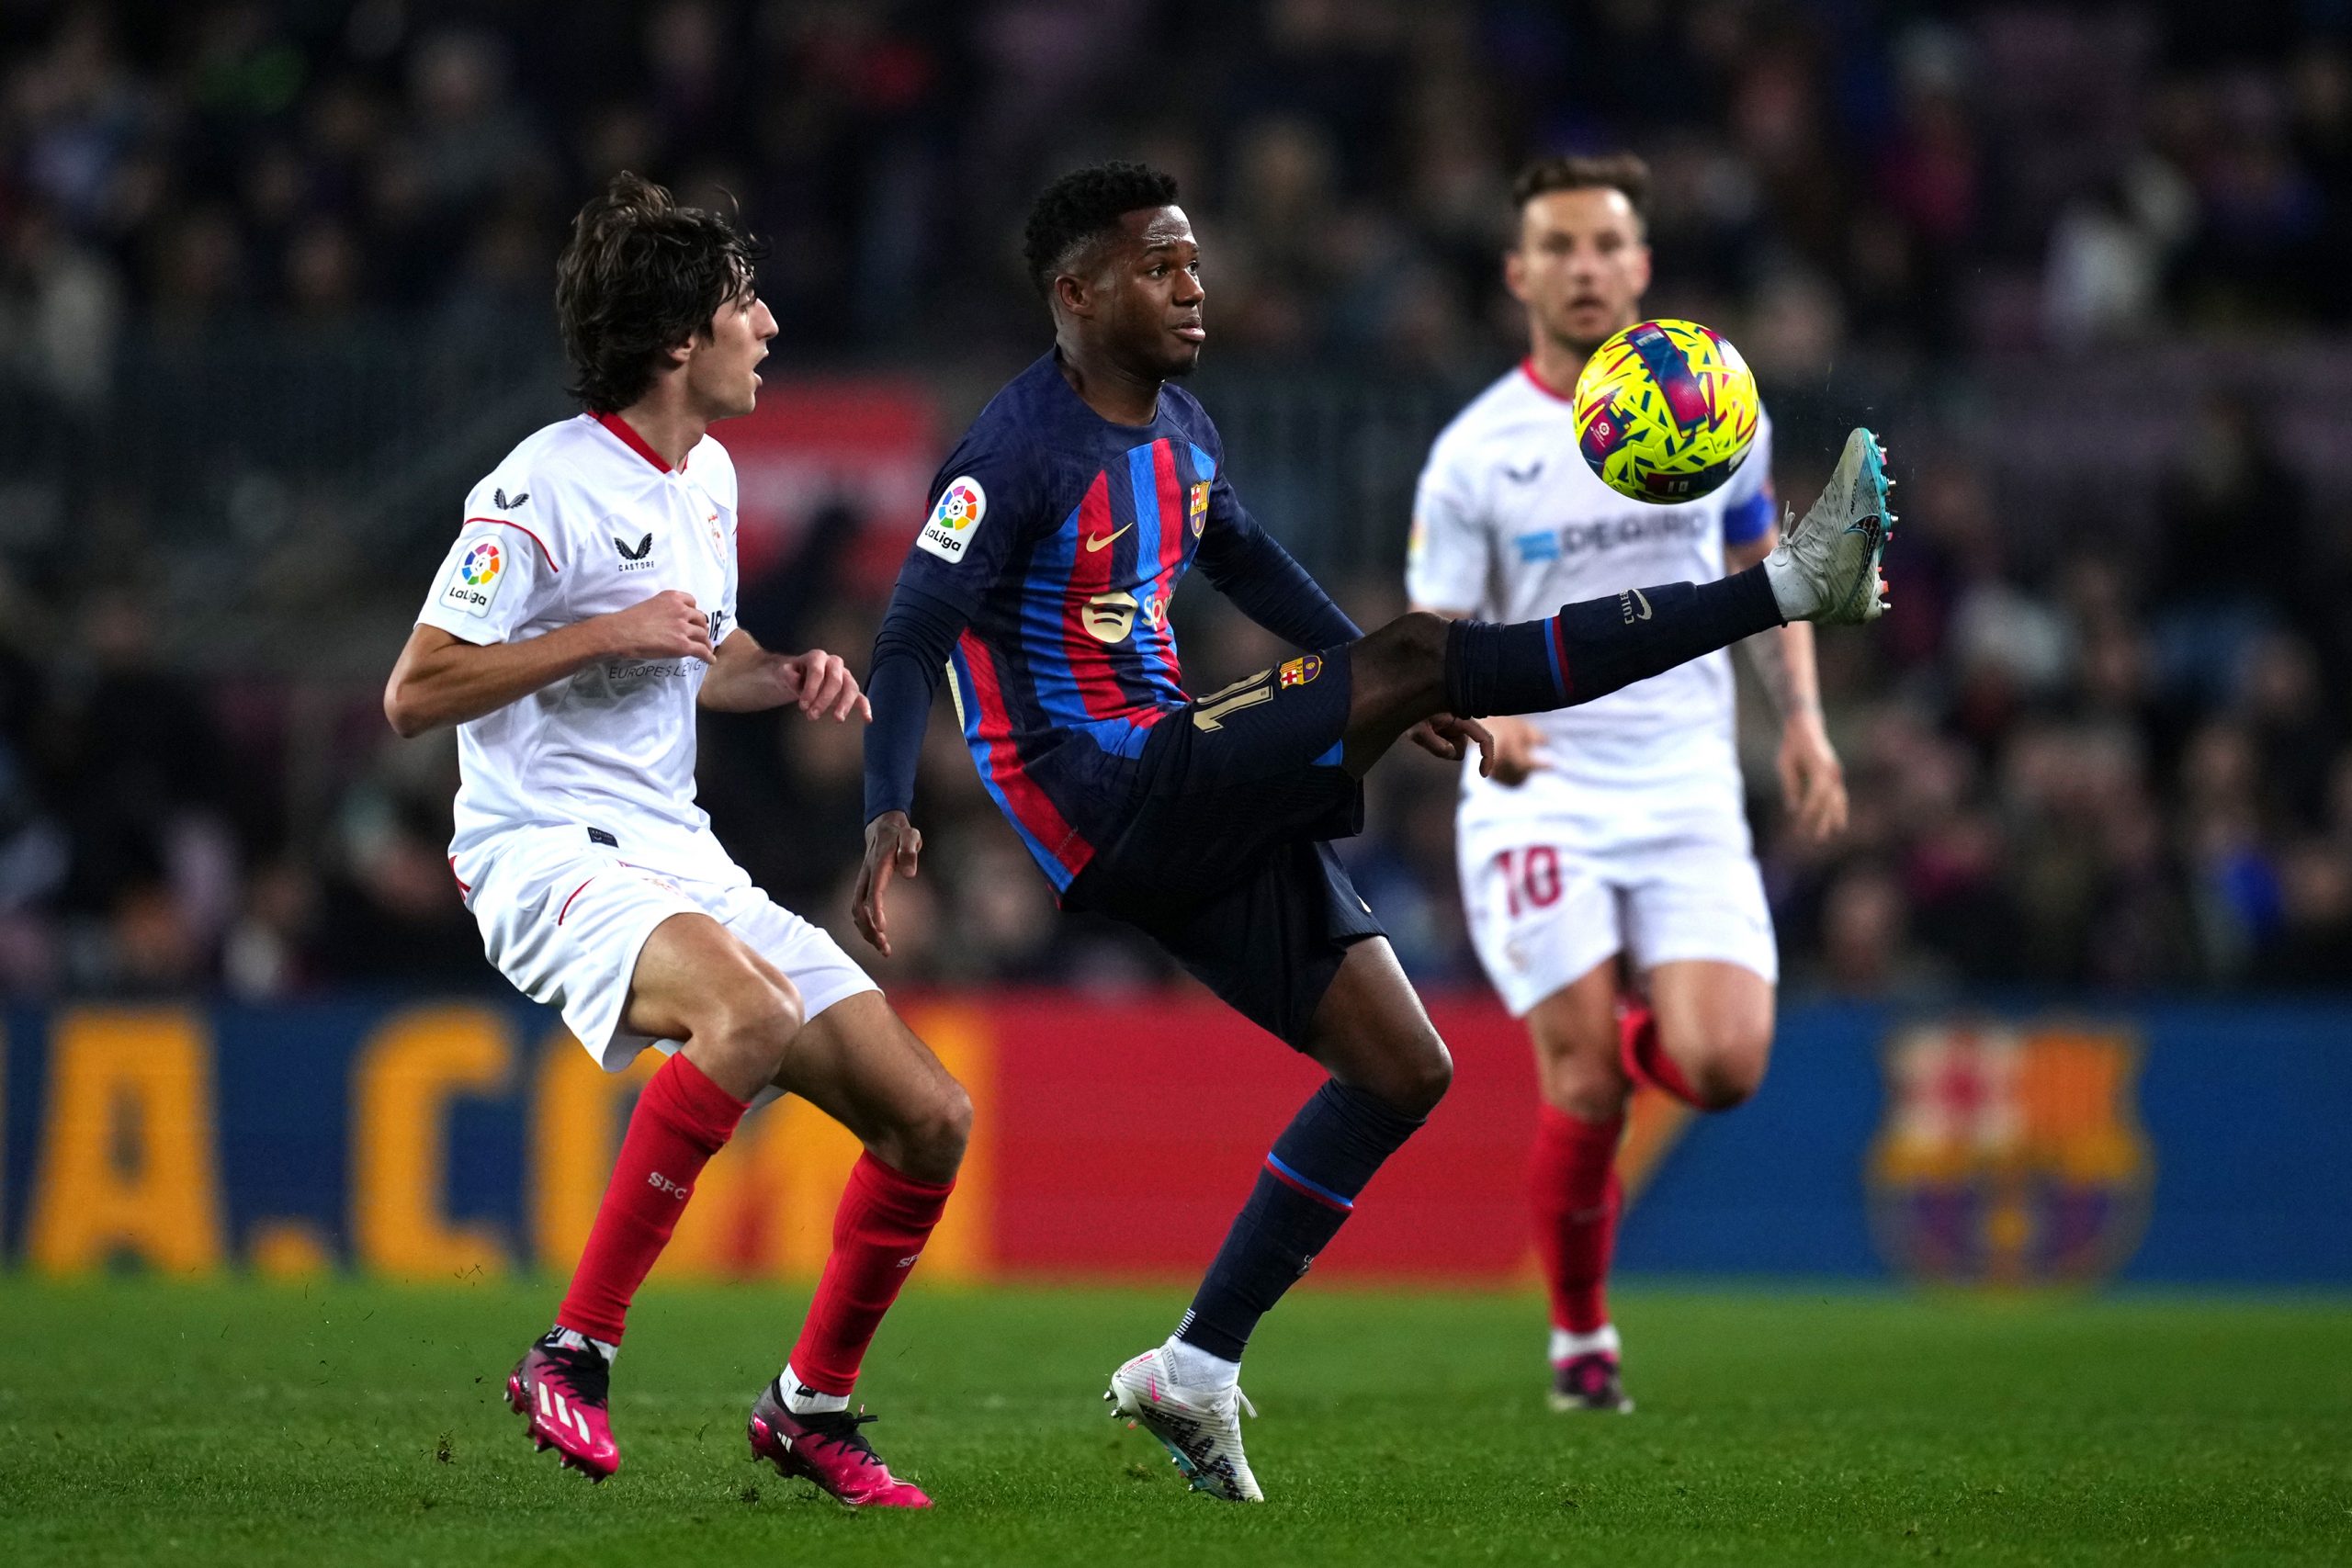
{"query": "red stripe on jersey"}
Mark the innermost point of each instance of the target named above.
(1038, 814)
(510, 523)
(1089, 574)
(1175, 528)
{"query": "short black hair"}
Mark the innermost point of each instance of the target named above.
(1624, 172)
(1081, 205)
(640, 274)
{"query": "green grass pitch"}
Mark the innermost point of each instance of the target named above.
(345, 1423)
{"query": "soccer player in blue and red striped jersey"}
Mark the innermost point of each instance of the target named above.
(1060, 527)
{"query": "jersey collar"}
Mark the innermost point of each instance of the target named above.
(1527, 368)
(627, 436)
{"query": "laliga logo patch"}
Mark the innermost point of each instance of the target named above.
(948, 531)
(475, 581)
(1196, 507)
(1299, 671)
(2010, 1157)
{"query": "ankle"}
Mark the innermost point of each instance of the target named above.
(802, 1400)
(1568, 1345)
(1196, 1368)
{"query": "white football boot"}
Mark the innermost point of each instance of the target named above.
(1827, 566)
(1200, 1427)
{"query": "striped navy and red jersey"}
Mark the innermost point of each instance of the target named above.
(1055, 541)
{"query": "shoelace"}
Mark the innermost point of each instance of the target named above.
(841, 1426)
(590, 1379)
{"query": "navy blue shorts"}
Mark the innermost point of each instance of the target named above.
(1224, 858)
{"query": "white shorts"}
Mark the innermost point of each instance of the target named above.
(1543, 915)
(564, 918)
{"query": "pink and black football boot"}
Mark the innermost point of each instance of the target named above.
(828, 1450)
(1590, 1382)
(561, 1389)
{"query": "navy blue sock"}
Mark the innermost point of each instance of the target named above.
(1306, 1191)
(1597, 645)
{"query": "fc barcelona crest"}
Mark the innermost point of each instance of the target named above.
(1299, 671)
(1196, 507)
(2010, 1157)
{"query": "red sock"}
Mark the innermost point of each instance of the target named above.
(681, 1119)
(1645, 1060)
(1573, 1184)
(879, 1232)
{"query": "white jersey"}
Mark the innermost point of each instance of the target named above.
(1509, 524)
(582, 519)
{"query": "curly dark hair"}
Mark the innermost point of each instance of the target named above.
(1081, 205)
(640, 275)
(1624, 172)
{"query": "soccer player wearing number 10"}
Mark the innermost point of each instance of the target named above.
(1617, 829)
(1059, 527)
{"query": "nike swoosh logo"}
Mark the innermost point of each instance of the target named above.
(1103, 541)
(1642, 600)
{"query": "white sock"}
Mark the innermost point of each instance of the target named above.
(573, 1338)
(1789, 590)
(1195, 1367)
(802, 1400)
(1567, 1347)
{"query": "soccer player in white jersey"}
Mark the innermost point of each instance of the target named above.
(1608, 856)
(585, 612)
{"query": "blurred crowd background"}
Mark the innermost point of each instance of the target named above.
(274, 290)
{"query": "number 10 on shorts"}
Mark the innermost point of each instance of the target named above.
(1530, 878)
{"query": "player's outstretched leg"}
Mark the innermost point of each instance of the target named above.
(1389, 1071)
(693, 983)
(859, 1063)
(1825, 568)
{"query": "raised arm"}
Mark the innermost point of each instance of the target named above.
(1812, 780)
(1250, 567)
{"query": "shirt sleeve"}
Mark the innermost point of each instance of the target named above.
(909, 654)
(1749, 497)
(984, 500)
(501, 573)
(1249, 567)
(1446, 557)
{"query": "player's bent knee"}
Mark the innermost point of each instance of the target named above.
(753, 1029)
(1726, 1081)
(927, 1143)
(1725, 1073)
(1422, 1080)
(1594, 1098)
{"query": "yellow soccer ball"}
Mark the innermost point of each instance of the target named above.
(1666, 410)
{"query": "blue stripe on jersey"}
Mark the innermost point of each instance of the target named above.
(1203, 464)
(1143, 483)
(1051, 561)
